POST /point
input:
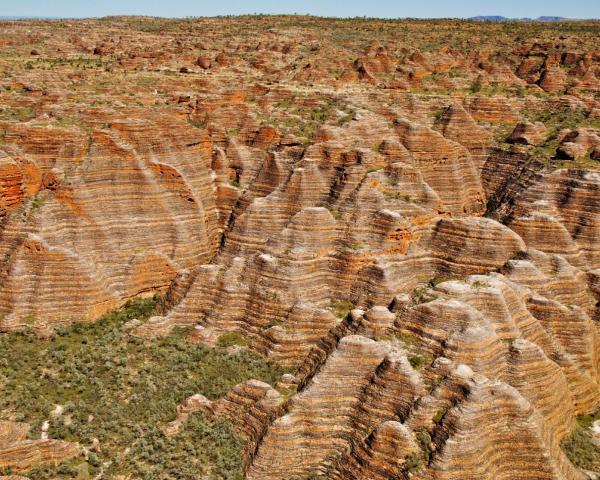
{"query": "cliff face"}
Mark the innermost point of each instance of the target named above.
(397, 227)
(119, 213)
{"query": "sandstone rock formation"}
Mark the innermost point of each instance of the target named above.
(413, 231)
(19, 453)
(529, 133)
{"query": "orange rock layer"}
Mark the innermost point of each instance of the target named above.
(414, 233)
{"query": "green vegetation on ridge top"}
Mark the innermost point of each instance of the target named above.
(120, 389)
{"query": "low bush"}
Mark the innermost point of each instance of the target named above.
(580, 447)
(120, 389)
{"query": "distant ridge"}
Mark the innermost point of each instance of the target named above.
(500, 18)
(481, 18)
(489, 18)
(550, 19)
(27, 18)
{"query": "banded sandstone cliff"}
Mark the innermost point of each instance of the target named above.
(403, 215)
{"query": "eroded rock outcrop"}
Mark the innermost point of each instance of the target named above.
(18, 453)
(411, 229)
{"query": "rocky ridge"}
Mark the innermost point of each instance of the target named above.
(412, 229)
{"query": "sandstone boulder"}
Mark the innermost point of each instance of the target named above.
(528, 133)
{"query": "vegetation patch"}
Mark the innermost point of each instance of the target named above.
(146, 81)
(231, 339)
(20, 114)
(65, 122)
(412, 463)
(119, 389)
(422, 295)
(416, 361)
(38, 201)
(341, 308)
(581, 447)
(555, 121)
(273, 323)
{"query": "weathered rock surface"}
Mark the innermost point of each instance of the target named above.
(413, 230)
(529, 133)
(19, 453)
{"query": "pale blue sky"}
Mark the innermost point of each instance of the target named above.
(340, 8)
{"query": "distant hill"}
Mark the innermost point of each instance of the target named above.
(500, 18)
(550, 19)
(27, 18)
(489, 18)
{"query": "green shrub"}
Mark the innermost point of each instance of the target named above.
(439, 414)
(434, 281)
(38, 201)
(129, 386)
(341, 308)
(146, 81)
(440, 113)
(421, 295)
(476, 86)
(273, 323)
(580, 447)
(413, 463)
(416, 361)
(424, 440)
(198, 123)
(230, 339)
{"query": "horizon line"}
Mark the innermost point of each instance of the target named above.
(484, 18)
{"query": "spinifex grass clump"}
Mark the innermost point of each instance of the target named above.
(119, 389)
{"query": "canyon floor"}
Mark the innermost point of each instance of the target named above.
(299, 248)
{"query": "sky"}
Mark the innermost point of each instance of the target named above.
(336, 8)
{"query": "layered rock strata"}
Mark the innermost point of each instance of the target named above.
(408, 220)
